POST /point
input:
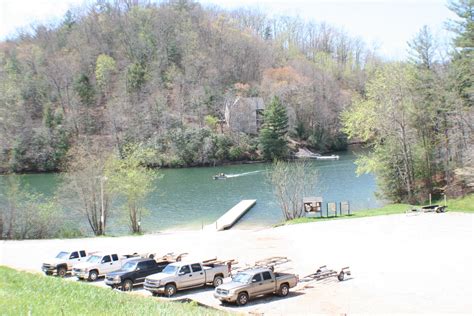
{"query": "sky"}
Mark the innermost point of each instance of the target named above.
(383, 24)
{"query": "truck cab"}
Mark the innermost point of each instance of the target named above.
(63, 262)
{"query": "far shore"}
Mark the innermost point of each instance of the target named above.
(398, 262)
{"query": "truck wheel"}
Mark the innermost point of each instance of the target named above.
(170, 290)
(242, 299)
(218, 280)
(127, 285)
(92, 276)
(340, 276)
(48, 273)
(284, 290)
(62, 272)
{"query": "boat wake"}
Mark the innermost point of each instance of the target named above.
(242, 174)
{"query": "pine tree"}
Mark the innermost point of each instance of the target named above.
(273, 141)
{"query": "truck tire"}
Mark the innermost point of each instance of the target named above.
(284, 290)
(340, 276)
(170, 290)
(218, 280)
(127, 285)
(48, 273)
(242, 299)
(62, 272)
(93, 275)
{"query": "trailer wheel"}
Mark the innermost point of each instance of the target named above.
(170, 290)
(340, 276)
(242, 299)
(93, 276)
(62, 272)
(218, 280)
(284, 290)
(127, 285)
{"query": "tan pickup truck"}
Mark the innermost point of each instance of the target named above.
(183, 275)
(255, 282)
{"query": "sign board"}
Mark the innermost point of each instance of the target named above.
(332, 207)
(344, 207)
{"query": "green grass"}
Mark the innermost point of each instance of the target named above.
(465, 204)
(386, 210)
(23, 293)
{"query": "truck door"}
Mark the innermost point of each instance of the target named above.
(185, 277)
(116, 263)
(143, 269)
(199, 275)
(106, 265)
(73, 259)
(268, 282)
(257, 285)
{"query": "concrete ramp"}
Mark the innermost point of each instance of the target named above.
(232, 216)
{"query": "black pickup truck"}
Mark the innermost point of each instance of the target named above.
(134, 272)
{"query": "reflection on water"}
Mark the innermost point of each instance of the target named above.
(190, 197)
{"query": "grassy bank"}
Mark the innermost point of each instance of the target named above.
(386, 210)
(23, 293)
(465, 204)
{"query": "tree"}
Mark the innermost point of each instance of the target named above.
(292, 181)
(25, 214)
(273, 140)
(104, 69)
(85, 188)
(463, 59)
(132, 180)
(382, 119)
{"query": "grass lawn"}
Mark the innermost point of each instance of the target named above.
(23, 293)
(465, 204)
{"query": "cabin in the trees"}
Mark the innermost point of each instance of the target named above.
(245, 115)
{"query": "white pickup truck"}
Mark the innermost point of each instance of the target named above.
(100, 264)
(184, 275)
(63, 262)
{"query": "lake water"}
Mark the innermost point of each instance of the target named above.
(190, 198)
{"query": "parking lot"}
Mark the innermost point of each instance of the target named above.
(399, 263)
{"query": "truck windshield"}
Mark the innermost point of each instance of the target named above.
(129, 266)
(63, 255)
(170, 269)
(242, 278)
(94, 259)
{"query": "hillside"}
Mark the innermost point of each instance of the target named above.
(115, 73)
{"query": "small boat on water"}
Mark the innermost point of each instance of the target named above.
(332, 157)
(220, 176)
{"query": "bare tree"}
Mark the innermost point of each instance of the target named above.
(85, 187)
(291, 182)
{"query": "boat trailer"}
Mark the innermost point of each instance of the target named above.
(323, 273)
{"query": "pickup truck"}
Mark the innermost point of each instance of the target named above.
(100, 264)
(182, 275)
(63, 262)
(134, 272)
(255, 282)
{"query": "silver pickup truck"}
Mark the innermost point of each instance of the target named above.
(255, 282)
(184, 275)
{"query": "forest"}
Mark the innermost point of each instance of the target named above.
(158, 75)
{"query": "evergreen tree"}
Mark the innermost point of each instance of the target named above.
(463, 59)
(273, 141)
